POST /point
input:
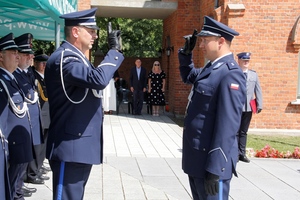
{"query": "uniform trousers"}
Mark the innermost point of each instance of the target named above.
(15, 173)
(242, 133)
(20, 182)
(33, 169)
(138, 100)
(198, 189)
(35, 165)
(5, 193)
(75, 177)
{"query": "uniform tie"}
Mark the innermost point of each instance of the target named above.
(246, 75)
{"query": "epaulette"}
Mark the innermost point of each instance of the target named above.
(232, 65)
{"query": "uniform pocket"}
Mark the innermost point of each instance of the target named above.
(79, 129)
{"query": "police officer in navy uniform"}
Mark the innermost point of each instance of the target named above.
(4, 180)
(213, 113)
(13, 114)
(253, 93)
(25, 77)
(74, 86)
(40, 60)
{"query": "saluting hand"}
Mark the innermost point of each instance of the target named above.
(190, 42)
(114, 38)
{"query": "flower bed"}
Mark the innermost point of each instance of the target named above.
(269, 152)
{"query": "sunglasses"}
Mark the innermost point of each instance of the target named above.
(156, 64)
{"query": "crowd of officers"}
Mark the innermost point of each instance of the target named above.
(24, 117)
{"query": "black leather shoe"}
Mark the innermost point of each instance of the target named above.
(41, 171)
(28, 189)
(35, 181)
(46, 168)
(27, 194)
(244, 159)
(45, 178)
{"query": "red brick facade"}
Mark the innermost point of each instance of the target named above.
(266, 30)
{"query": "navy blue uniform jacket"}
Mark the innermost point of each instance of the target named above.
(75, 132)
(213, 117)
(16, 129)
(27, 86)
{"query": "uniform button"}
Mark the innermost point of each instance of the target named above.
(116, 58)
(223, 169)
(14, 142)
(202, 91)
(79, 134)
(204, 149)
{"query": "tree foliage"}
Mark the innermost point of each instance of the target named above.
(140, 37)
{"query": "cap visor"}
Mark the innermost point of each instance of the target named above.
(92, 27)
(207, 33)
(12, 48)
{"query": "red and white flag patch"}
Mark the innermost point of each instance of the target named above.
(234, 86)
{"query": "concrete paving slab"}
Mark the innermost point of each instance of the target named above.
(142, 161)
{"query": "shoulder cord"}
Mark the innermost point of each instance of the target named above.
(35, 99)
(18, 112)
(3, 140)
(63, 86)
(41, 92)
(96, 94)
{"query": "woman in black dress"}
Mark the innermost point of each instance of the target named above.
(156, 88)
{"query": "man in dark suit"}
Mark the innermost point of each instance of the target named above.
(14, 115)
(210, 152)
(138, 84)
(74, 88)
(253, 93)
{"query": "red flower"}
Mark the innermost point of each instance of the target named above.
(268, 152)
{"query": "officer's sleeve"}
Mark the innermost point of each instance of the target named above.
(78, 74)
(230, 101)
(187, 70)
(258, 93)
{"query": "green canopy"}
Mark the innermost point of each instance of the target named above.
(38, 17)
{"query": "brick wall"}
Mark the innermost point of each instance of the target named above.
(181, 22)
(128, 63)
(265, 30)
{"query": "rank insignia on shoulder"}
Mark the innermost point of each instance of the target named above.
(234, 86)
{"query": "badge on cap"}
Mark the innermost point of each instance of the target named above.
(212, 27)
(81, 18)
(7, 42)
(244, 55)
(24, 43)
